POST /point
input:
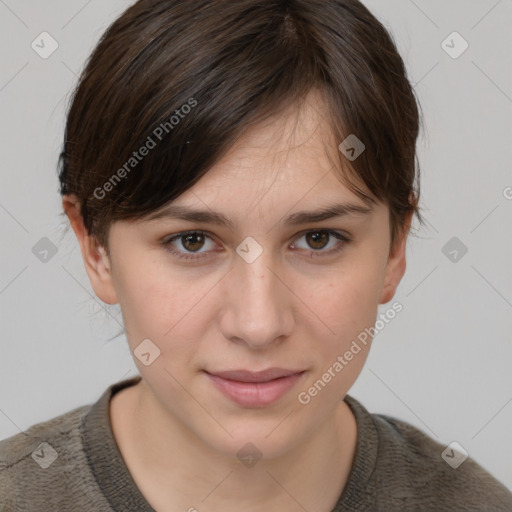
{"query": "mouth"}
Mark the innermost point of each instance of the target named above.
(255, 389)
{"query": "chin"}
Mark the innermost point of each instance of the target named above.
(254, 440)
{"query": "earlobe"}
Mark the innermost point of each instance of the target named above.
(96, 261)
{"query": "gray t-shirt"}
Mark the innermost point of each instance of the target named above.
(72, 463)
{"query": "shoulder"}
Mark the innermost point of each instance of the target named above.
(61, 430)
(423, 472)
(41, 459)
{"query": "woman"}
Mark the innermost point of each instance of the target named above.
(241, 177)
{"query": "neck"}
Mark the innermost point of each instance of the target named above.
(174, 469)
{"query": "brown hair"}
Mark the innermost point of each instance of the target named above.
(183, 79)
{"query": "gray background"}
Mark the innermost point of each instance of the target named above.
(443, 363)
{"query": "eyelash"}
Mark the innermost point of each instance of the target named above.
(195, 256)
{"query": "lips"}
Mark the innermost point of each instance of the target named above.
(261, 376)
(255, 389)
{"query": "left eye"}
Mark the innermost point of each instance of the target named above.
(320, 239)
(193, 241)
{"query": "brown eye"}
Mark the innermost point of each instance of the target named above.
(322, 242)
(317, 239)
(193, 242)
(192, 245)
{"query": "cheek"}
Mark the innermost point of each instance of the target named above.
(154, 302)
(347, 308)
(348, 303)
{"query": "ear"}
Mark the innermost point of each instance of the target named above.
(395, 267)
(96, 261)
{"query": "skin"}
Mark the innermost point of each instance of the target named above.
(177, 433)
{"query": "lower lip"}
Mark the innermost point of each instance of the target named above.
(255, 394)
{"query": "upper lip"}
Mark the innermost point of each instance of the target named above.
(261, 376)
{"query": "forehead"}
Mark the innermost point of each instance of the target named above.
(297, 133)
(296, 193)
(284, 170)
(284, 158)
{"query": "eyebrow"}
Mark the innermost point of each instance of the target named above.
(304, 217)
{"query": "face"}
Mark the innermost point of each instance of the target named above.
(260, 293)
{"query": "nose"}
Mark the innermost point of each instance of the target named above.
(258, 304)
